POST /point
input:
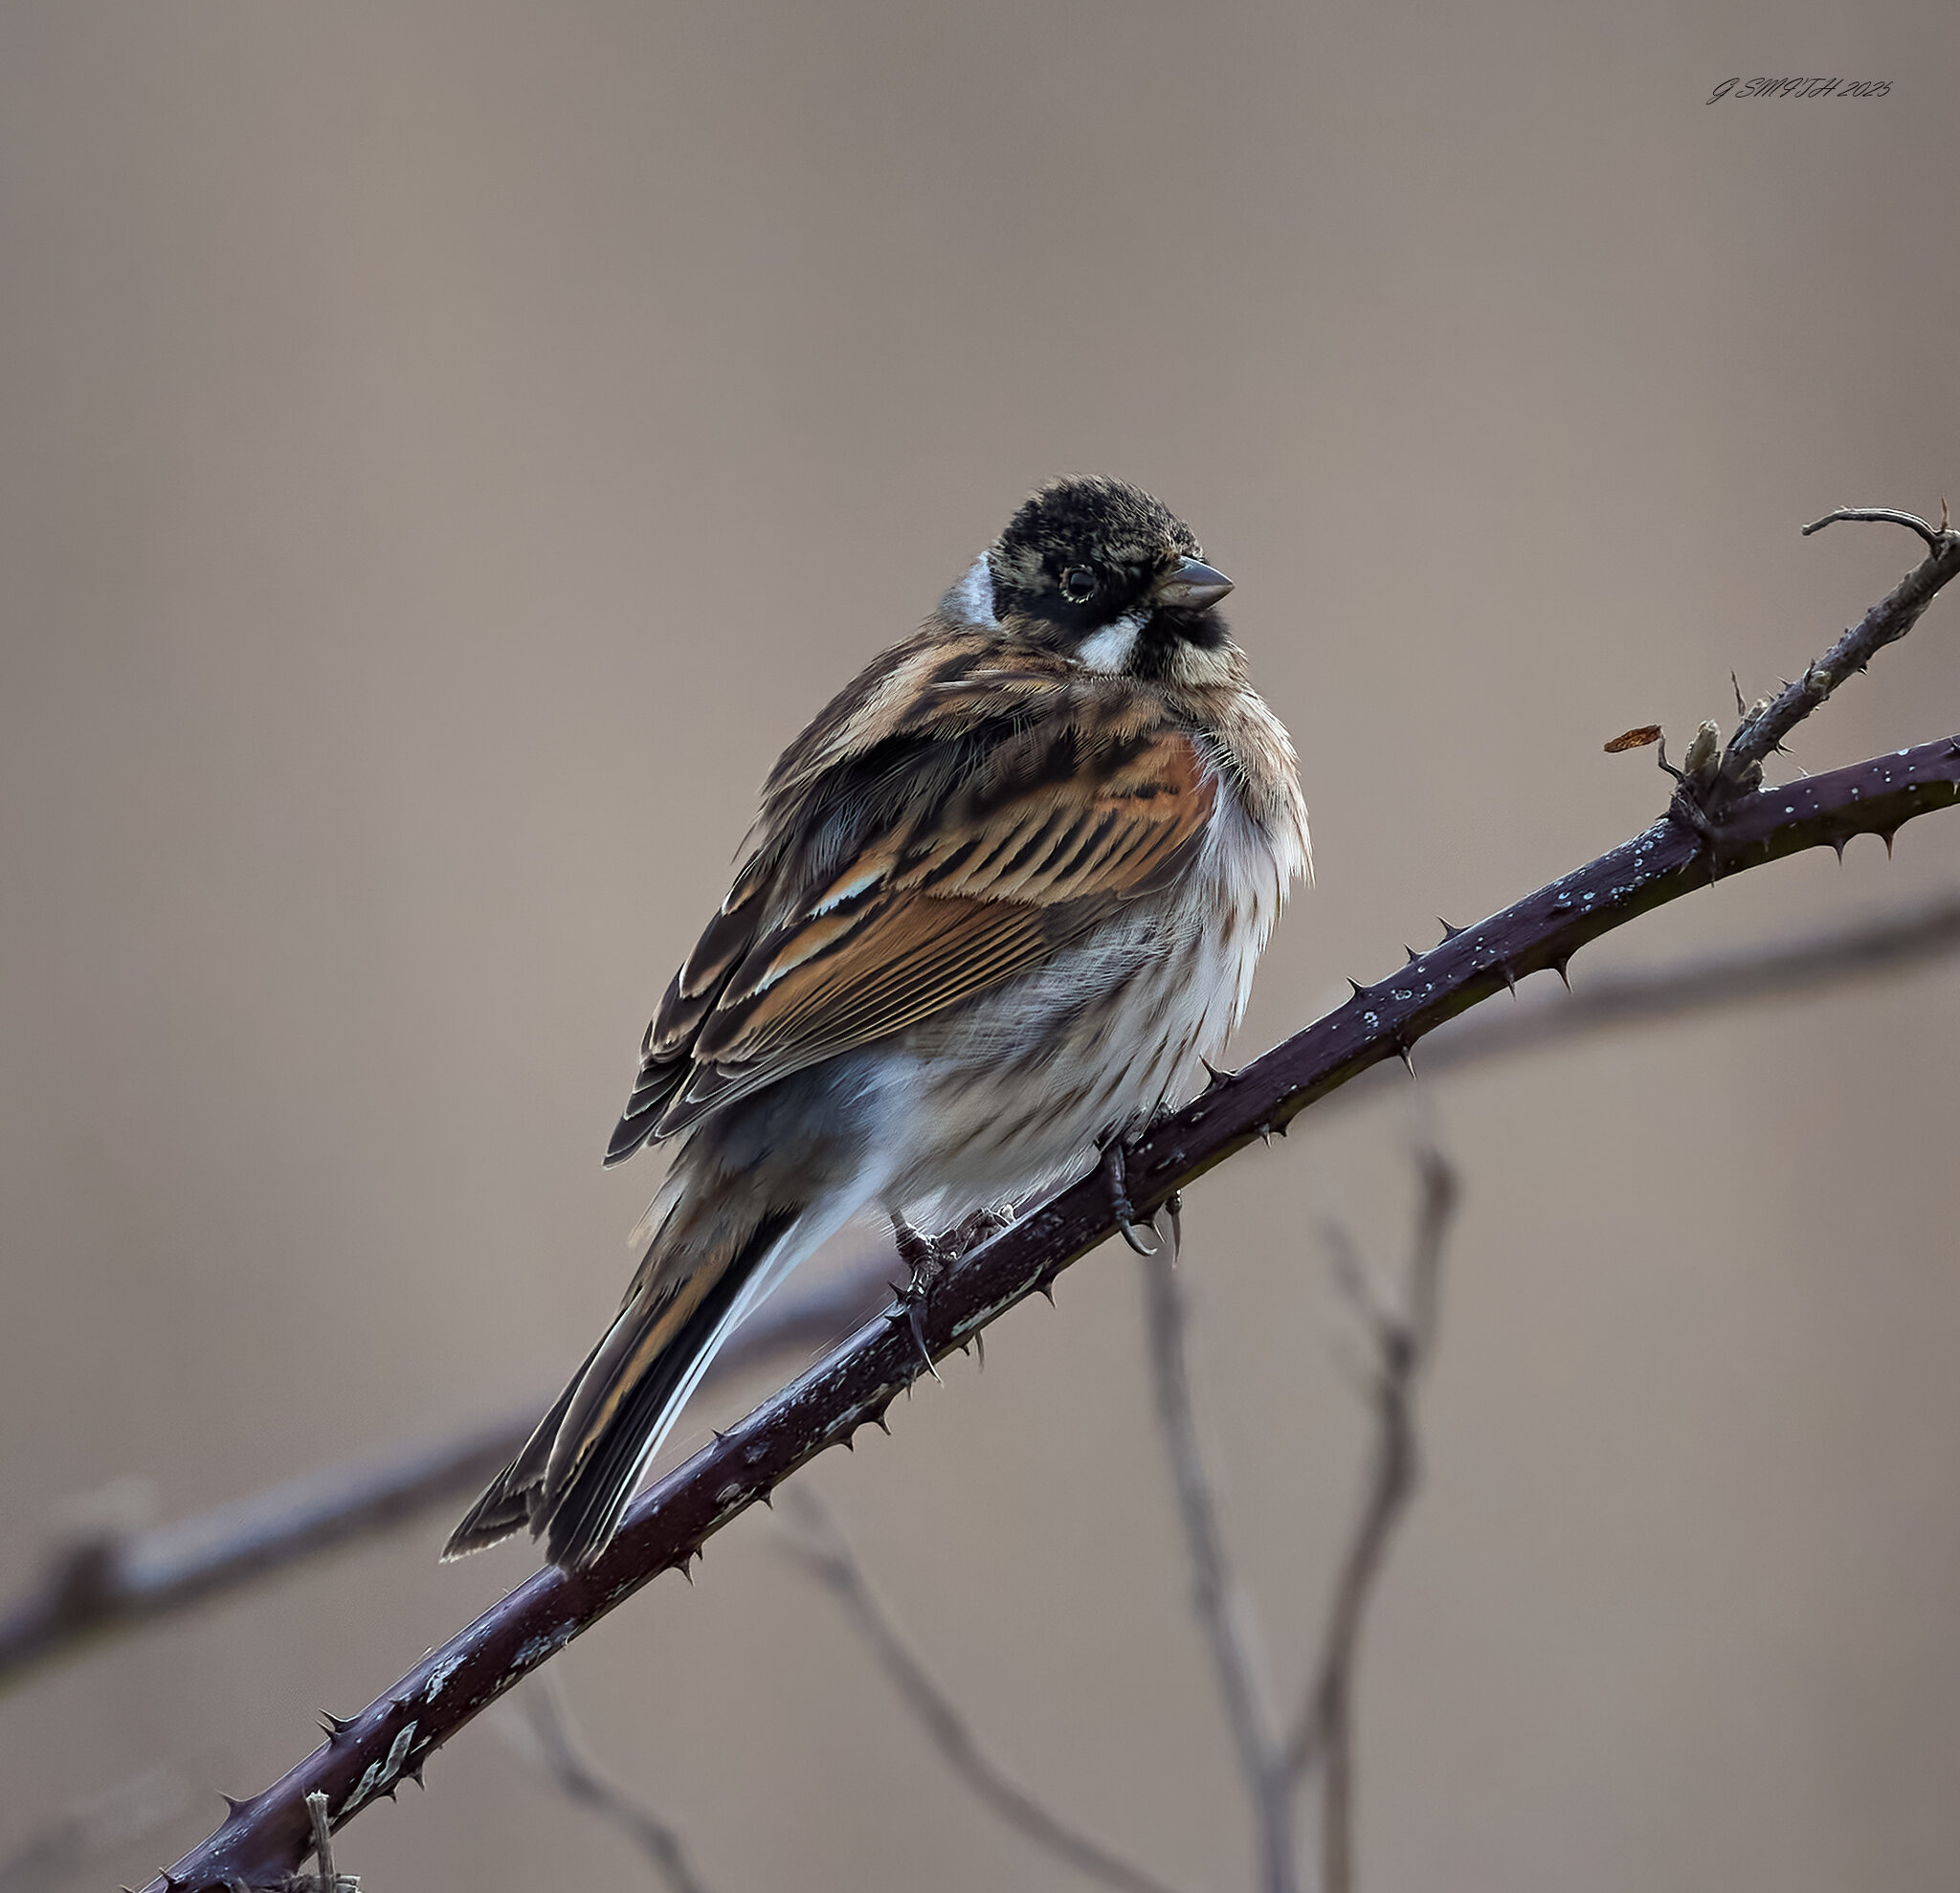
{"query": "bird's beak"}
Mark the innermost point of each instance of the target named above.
(1193, 584)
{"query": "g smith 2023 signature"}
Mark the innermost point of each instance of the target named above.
(1800, 88)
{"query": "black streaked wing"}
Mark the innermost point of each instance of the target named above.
(666, 1051)
(1066, 820)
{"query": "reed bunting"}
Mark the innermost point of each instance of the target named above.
(1005, 898)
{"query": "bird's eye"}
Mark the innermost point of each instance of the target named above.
(1079, 585)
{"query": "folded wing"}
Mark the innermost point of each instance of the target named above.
(936, 863)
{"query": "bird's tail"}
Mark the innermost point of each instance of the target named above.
(709, 1264)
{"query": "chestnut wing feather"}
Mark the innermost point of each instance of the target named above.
(949, 848)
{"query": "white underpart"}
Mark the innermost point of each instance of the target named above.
(972, 600)
(989, 1125)
(1110, 649)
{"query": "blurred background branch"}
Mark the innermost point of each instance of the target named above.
(538, 1724)
(96, 1828)
(1401, 1331)
(110, 1573)
(1221, 1608)
(821, 1548)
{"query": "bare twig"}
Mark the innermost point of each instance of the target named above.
(1221, 1607)
(666, 1527)
(551, 1743)
(1761, 732)
(823, 1550)
(322, 1837)
(1881, 516)
(1402, 1339)
(112, 1575)
(329, 1880)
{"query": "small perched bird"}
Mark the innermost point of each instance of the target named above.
(1004, 901)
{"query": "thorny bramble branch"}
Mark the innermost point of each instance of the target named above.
(121, 1577)
(392, 1739)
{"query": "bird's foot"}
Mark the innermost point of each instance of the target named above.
(926, 1260)
(978, 1229)
(1171, 1216)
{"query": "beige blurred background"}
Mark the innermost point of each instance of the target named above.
(449, 448)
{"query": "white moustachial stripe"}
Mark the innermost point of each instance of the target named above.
(1110, 648)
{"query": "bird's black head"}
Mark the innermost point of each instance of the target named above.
(1111, 575)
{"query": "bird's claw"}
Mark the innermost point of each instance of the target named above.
(926, 1258)
(921, 1255)
(1116, 1175)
